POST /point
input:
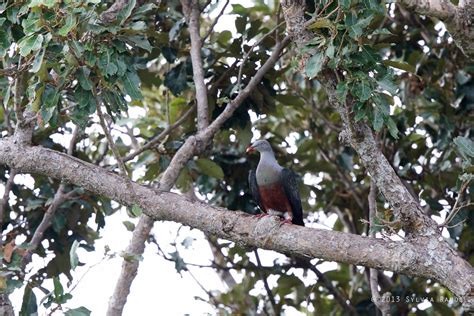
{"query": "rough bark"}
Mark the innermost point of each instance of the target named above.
(192, 13)
(424, 256)
(459, 20)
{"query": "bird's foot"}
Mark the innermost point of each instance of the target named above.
(261, 215)
(286, 221)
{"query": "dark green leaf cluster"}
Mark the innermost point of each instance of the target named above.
(345, 34)
(73, 60)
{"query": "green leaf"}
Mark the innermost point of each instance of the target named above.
(29, 305)
(31, 25)
(239, 9)
(38, 61)
(176, 79)
(378, 119)
(188, 242)
(400, 65)
(47, 114)
(139, 41)
(356, 26)
(314, 65)
(179, 263)
(86, 100)
(76, 48)
(136, 210)
(386, 83)
(80, 311)
(362, 90)
(58, 288)
(129, 225)
(392, 128)
(345, 4)
(50, 97)
(126, 11)
(323, 23)
(241, 23)
(465, 146)
(292, 100)
(131, 84)
(68, 26)
(360, 110)
(4, 41)
(184, 180)
(210, 168)
(30, 43)
(382, 31)
(342, 89)
(330, 50)
(39, 3)
(73, 258)
(83, 74)
(138, 26)
(49, 103)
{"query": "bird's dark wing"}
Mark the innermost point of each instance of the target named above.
(288, 179)
(254, 189)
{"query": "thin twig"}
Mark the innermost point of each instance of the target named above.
(110, 140)
(270, 295)
(155, 140)
(340, 297)
(6, 194)
(457, 208)
(246, 56)
(192, 13)
(215, 22)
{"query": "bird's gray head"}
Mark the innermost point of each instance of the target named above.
(260, 146)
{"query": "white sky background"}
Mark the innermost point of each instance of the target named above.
(158, 288)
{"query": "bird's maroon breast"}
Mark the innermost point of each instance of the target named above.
(273, 197)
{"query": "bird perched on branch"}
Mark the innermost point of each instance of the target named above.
(273, 187)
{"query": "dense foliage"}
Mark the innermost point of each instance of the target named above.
(410, 83)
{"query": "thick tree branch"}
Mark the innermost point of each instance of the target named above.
(192, 13)
(442, 9)
(425, 257)
(459, 20)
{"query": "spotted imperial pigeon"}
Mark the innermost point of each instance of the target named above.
(273, 187)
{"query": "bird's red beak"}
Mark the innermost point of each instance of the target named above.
(249, 150)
